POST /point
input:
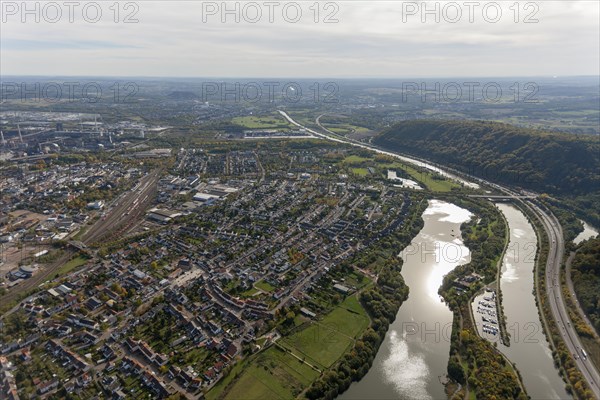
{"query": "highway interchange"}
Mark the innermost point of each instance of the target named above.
(553, 265)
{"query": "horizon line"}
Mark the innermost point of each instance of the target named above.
(298, 77)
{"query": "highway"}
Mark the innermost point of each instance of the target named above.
(555, 256)
(500, 197)
(410, 159)
(557, 304)
(558, 308)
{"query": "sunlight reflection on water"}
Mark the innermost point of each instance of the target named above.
(407, 372)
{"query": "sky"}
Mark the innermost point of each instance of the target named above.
(343, 39)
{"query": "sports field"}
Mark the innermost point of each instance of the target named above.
(282, 374)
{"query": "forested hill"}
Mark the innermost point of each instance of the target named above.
(548, 162)
(586, 279)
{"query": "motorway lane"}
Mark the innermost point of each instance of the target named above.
(410, 159)
(554, 293)
(557, 304)
(555, 257)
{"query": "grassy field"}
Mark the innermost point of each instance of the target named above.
(276, 374)
(427, 179)
(325, 341)
(343, 128)
(341, 131)
(319, 344)
(350, 318)
(264, 286)
(353, 160)
(273, 374)
(216, 391)
(261, 122)
(250, 292)
(71, 265)
(346, 129)
(353, 305)
(360, 171)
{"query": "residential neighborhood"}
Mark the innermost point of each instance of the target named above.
(224, 257)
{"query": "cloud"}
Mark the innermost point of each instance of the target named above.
(36, 45)
(370, 39)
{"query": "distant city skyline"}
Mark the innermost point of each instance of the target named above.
(376, 39)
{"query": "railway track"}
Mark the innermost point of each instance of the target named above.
(125, 212)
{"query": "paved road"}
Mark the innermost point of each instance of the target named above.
(500, 197)
(557, 304)
(124, 211)
(555, 257)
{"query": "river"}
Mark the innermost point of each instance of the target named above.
(529, 349)
(587, 233)
(413, 357)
